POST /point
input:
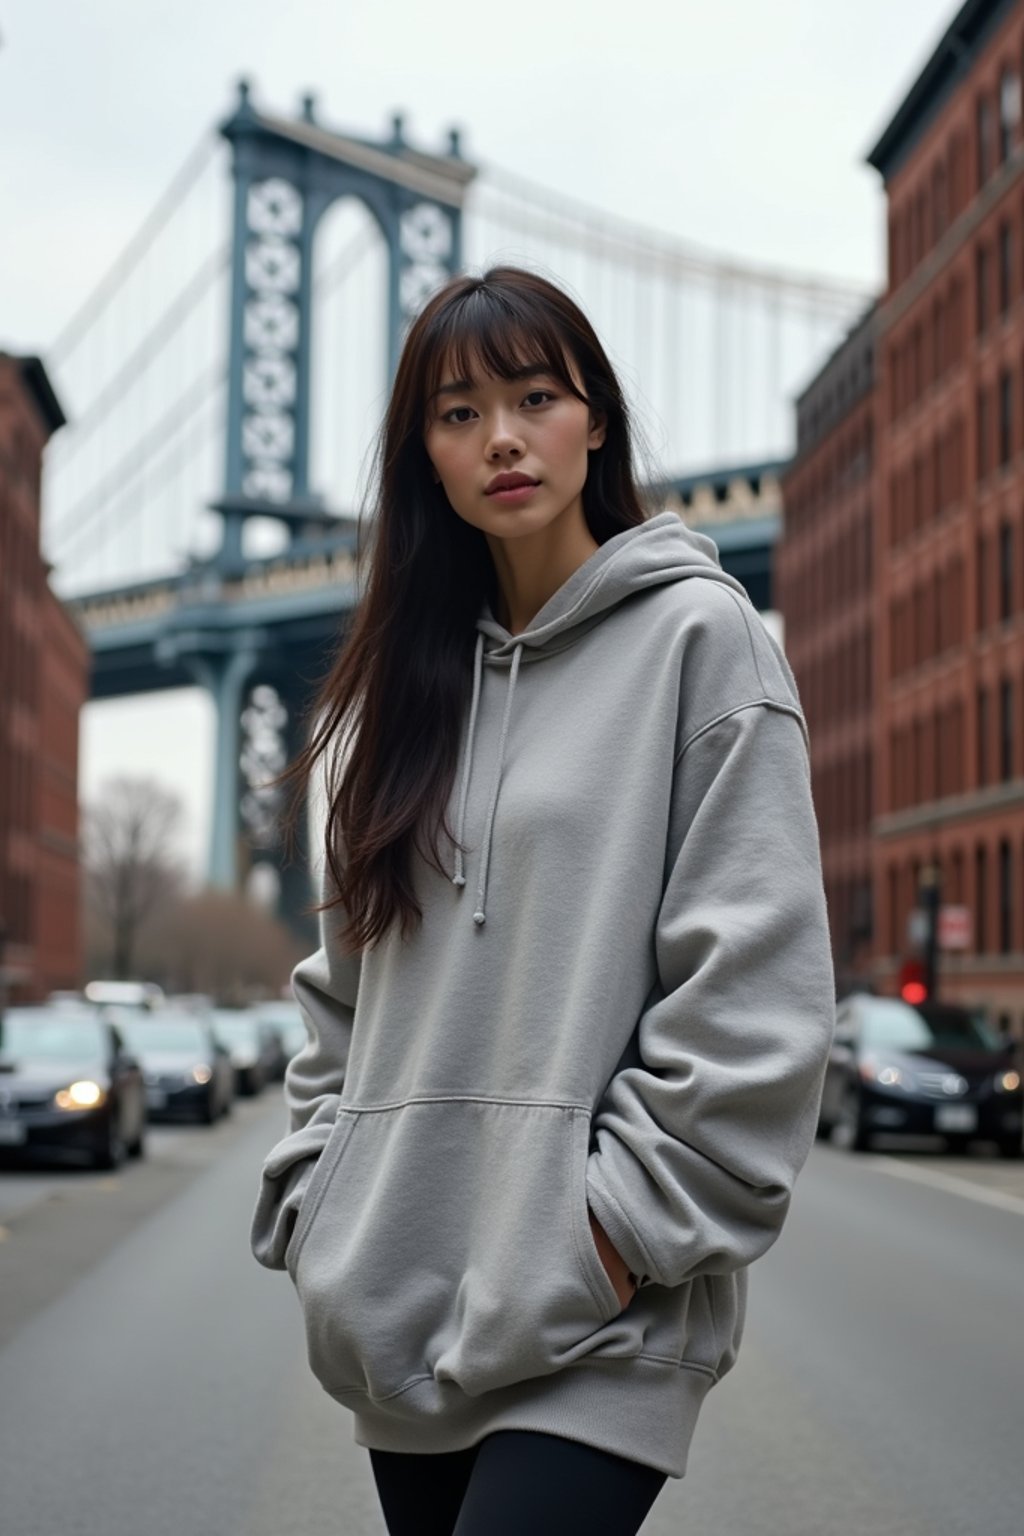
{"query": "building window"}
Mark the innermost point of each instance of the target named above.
(940, 206)
(982, 431)
(986, 140)
(1005, 897)
(980, 559)
(980, 904)
(982, 744)
(981, 286)
(1005, 267)
(1005, 570)
(1009, 111)
(1005, 416)
(1006, 729)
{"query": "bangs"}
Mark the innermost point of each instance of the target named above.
(489, 333)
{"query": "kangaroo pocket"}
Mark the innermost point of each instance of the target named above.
(449, 1238)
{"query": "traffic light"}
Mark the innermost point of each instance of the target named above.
(913, 982)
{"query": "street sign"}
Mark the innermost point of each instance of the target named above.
(917, 928)
(954, 931)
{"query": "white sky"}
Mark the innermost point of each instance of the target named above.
(741, 126)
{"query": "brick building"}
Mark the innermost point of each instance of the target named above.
(945, 414)
(44, 665)
(950, 567)
(826, 592)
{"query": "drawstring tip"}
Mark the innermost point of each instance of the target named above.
(479, 917)
(458, 880)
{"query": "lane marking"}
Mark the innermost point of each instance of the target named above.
(977, 1192)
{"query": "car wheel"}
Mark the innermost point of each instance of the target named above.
(850, 1127)
(137, 1148)
(824, 1130)
(111, 1151)
(1011, 1147)
(208, 1113)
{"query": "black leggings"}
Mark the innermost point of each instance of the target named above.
(515, 1481)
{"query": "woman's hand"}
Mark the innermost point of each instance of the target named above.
(616, 1267)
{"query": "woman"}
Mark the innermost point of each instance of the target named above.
(569, 1019)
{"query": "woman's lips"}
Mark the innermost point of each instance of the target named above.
(512, 493)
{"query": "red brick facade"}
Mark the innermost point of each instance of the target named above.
(825, 585)
(43, 682)
(946, 499)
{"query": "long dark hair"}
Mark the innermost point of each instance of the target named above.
(392, 705)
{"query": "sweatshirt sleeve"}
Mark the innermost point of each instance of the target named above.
(325, 986)
(697, 1148)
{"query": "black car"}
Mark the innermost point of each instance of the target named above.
(254, 1047)
(68, 1084)
(923, 1069)
(287, 1020)
(186, 1070)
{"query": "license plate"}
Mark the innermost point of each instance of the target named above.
(156, 1098)
(12, 1132)
(956, 1117)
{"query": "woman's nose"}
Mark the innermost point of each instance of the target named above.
(504, 438)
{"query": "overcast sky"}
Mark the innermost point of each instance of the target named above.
(742, 126)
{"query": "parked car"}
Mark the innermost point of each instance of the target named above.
(252, 1045)
(289, 1021)
(68, 1084)
(186, 1070)
(920, 1069)
(125, 994)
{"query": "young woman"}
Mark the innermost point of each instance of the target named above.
(569, 1018)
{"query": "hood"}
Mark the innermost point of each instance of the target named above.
(660, 550)
(657, 551)
(47, 1074)
(181, 1061)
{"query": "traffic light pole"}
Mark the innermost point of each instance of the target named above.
(929, 896)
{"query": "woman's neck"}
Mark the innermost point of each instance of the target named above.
(531, 569)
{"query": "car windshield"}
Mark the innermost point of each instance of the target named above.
(889, 1022)
(160, 1033)
(42, 1034)
(238, 1028)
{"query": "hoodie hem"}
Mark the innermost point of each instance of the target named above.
(643, 1408)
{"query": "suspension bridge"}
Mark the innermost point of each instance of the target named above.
(225, 381)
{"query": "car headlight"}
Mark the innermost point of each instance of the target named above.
(84, 1094)
(888, 1076)
(1007, 1082)
(200, 1073)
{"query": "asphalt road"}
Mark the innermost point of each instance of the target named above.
(154, 1377)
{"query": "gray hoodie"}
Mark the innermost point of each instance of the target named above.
(622, 997)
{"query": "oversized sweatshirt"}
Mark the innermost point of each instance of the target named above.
(620, 998)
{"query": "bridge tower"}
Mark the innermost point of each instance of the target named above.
(287, 173)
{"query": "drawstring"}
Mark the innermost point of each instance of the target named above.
(459, 879)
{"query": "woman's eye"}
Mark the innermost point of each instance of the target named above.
(449, 414)
(545, 392)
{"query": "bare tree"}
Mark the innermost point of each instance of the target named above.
(129, 836)
(220, 943)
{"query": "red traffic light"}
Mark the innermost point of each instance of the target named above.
(912, 984)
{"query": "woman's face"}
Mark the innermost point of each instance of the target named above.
(532, 426)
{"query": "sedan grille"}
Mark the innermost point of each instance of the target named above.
(942, 1085)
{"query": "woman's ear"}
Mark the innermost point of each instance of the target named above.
(598, 429)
